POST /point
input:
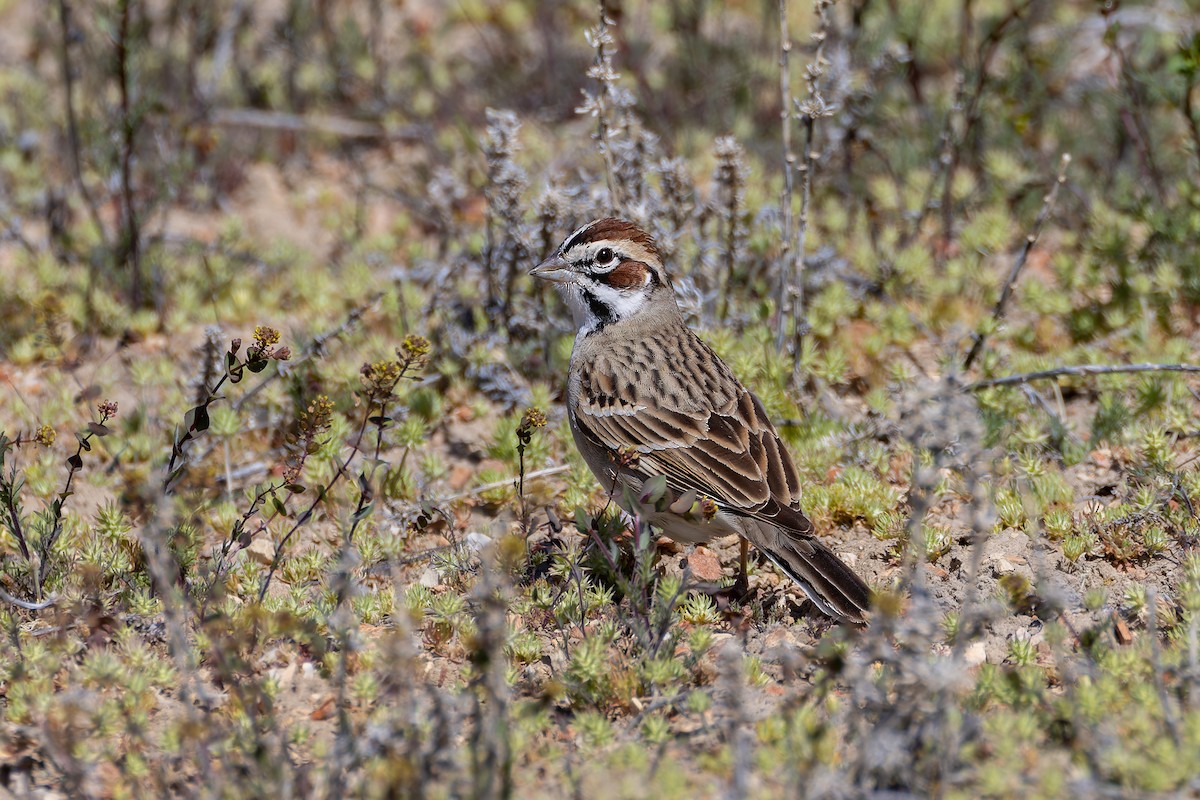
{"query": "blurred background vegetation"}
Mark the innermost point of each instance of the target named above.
(286, 492)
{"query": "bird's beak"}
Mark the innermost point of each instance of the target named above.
(555, 269)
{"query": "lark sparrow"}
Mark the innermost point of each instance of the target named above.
(642, 382)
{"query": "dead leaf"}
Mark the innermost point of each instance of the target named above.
(324, 710)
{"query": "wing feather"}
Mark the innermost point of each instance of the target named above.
(706, 433)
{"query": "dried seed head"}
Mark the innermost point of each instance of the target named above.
(414, 347)
(380, 377)
(534, 418)
(44, 436)
(265, 336)
(628, 457)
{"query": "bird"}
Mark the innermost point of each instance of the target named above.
(646, 397)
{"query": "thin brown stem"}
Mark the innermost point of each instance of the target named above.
(74, 465)
(787, 264)
(314, 124)
(809, 111)
(130, 252)
(797, 293)
(945, 148)
(487, 487)
(68, 70)
(365, 494)
(343, 467)
(306, 515)
(952, 155)
(951, 145)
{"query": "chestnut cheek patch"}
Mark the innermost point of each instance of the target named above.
(628, 275)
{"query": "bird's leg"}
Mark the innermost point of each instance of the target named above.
(742, 585)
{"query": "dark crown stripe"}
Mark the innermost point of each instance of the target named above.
(574, 239)
(610, 228)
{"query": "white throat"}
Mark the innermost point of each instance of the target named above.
(619, 305)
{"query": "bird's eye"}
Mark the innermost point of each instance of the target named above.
(604, 255)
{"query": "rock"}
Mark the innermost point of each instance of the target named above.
(668, 545)
(476, 541)
(975, 654)
(1002, 566)
(708, 669)
(705, 565)
(779, 646)
(430, 579)
(459, 476)
(780, 637)
(262, 550)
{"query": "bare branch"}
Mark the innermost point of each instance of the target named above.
(8, 598)
(315, 124)
(787, 257)
(68, 70)
(223, 52)
(1019, 264)
(1082, 370)
(1058, 422)
(967, 104)
(809, 111)
(130, 245)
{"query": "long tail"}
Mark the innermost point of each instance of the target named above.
(829, 583)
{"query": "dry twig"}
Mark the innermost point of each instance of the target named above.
(1079, 371)
(313, 123)
(68, 70)
(813, 108)
(1022, 257)
(8, 598)
(789, 163)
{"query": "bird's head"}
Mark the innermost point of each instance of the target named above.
(608, 271)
